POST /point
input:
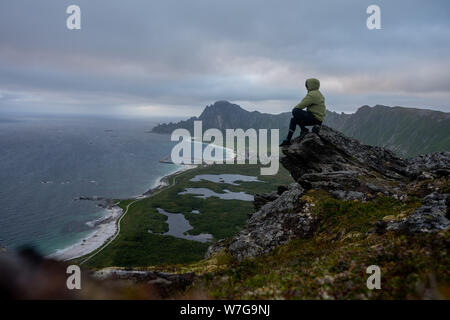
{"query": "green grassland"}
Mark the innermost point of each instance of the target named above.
(135, 246)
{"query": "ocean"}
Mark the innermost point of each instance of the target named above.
(47, 162)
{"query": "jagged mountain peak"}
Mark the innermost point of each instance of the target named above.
(226, 115)
(224, 107)
(221, 107)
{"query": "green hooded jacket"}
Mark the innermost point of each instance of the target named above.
(314, 101)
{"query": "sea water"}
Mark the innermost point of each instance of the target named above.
(47, 162)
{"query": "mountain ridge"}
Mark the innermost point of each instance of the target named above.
(406, 131)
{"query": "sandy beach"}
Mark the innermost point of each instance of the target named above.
(106, 226)
(104, 229)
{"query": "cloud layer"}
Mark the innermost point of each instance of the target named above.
(160, 57)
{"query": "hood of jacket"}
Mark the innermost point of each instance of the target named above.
(312, 84)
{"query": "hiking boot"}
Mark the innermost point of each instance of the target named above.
(285, 143)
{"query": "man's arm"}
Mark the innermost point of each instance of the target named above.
(306, 101)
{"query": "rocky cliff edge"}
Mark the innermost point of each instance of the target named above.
(327, 161)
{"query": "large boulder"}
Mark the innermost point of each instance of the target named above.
(327, 159)
(326, 150)
(274, 224)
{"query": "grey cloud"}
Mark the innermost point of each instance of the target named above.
(190, 53)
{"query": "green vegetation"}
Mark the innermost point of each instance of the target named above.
(356, 216)
(332, 264)
(136, 246)
(157, 223)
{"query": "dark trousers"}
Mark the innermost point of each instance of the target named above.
(303, 119)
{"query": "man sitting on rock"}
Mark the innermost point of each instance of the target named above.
(314, 102)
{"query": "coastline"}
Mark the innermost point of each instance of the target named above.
(106, 226)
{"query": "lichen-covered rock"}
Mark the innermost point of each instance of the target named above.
(432, 216)
(261, 199)
(348, 195)
(216, 248)
(429, 166)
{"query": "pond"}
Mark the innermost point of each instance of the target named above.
(225, 178)
(178, 226)
(205, 193)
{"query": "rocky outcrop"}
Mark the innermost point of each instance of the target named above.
(327, 150)
(261, 199)
(432, 216)
(328, 160)
(101, 201)
(275, 223)
(429, 166)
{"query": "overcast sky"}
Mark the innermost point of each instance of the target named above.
(173, 57)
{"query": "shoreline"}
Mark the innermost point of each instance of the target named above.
(105, 227)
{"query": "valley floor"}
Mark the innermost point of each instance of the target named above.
(211, 209)
(333, 263)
